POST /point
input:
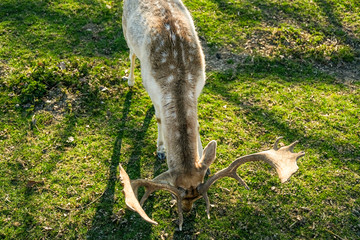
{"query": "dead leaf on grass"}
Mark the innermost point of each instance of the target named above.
(47, 228)
(16, 224)
(31, 183)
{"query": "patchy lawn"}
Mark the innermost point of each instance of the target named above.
(275, 68)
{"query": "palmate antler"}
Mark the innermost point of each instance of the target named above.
(282, 159)
(131, 189)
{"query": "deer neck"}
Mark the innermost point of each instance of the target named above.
(181, 137)
(177, 65)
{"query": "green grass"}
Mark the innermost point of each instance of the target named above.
(68, 120)
(320, 30)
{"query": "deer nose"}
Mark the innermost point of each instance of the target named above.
(187, 205)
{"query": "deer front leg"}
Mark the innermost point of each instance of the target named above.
(160, 140)
(200, 148)
(131, 78)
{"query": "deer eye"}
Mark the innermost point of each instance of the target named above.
(181, 189)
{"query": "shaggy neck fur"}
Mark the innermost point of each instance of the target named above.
(177, 62)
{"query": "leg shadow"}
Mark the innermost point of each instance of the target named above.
(139, 228)
(102, 224)
(131, 226)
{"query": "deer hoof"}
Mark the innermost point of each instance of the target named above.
(161, 155)
(131, 83)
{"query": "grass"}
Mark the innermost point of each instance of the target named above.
(68, 120)
(321, 30)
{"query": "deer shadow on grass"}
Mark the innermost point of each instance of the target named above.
(103, 224)
(105, 207)
(129, 225)
(276, 14)
(340, 30)
(271, 122)
(326, 153)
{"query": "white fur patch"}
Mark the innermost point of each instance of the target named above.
(170, 78)
(168, 98)
(192, 51)
(182, 52)
(171, 114)
(177, 27)
(164, 57)
(190, 77)
(191, 96)
(189, 113)
(173, 36)
(177, 134)
(172, 67)
(189, 130)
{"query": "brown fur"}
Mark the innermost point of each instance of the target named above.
(173, 51)
(174, 42)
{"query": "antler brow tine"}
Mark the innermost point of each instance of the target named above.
(130, 190)
(130, 197)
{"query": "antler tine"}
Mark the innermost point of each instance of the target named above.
(276, 143)
(152, 186)
(292, 145)
(290, 149)
(283, 160)
(206, 198)
(145, 197)
(239, 179)
(130, 197)
(131, 189)
(230, 171)
(180, 212)
(227, 172)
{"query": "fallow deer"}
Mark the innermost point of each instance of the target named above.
(162, 35)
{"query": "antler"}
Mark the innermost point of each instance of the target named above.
(131, 189)
(283, 160)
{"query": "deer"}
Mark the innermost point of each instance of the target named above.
(162, 35)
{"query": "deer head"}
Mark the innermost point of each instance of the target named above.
(284, 160)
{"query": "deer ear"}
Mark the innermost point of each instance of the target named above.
(209, 154)
(165, 178)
